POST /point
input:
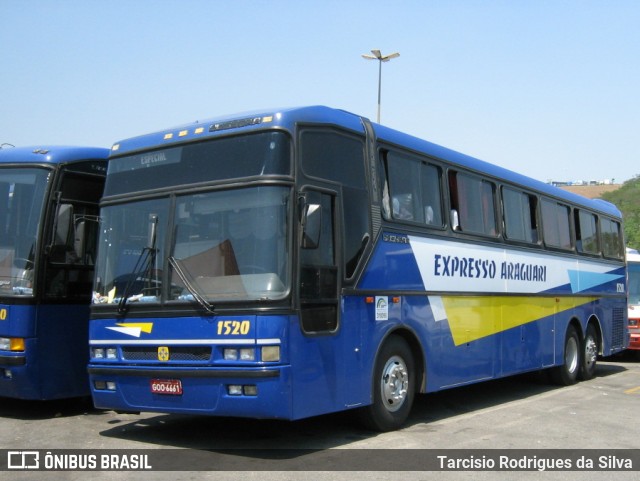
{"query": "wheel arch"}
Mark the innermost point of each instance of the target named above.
(419, 359)
(594, 321)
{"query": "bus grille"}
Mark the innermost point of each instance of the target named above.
(618, 329)
(181, 353)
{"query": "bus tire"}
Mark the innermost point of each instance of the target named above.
(590, 349)
(393, 387)
(567, 373)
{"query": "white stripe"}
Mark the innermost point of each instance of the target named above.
(437, 307)
(181, 342)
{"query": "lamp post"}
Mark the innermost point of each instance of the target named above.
(381, 58)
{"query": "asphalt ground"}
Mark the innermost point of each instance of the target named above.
(513, 420)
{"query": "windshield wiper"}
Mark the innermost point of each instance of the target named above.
(145, 261)
(187, 283)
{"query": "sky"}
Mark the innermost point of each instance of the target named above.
(548, 88)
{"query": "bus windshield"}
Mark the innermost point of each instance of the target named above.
(634, 282)
(22, 193)
(214, 246)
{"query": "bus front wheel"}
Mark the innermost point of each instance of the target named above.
(567, 373)
(393, 387)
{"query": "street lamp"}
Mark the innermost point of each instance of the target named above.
(378, 56)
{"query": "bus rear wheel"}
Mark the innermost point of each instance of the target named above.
(590, 350)
(393, 387)
(567, 373)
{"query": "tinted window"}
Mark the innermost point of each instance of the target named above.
(266, 153)
(586, 232)
(472, 201)
(431, 194)
(555, 222)
(404, 186)
(415, 193)
(330, 155)
(520, 220)
(338, 157)
(612, 239)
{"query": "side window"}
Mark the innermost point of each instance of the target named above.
(520, 220)
(612, 245)
(73, 246)
(473, 204)
(555, 222)
(355, 206)
(338, 157)
(332, 155)
(415, 192)
(318, 271)
(323, 254)
(586, 232)
(404, 175)
(76, 224)
(430, 180)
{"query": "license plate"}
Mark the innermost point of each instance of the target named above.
(166, 386)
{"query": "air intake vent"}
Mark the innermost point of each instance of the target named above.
(618, 329)
(181, 353)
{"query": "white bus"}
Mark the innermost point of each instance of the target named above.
(633, 269)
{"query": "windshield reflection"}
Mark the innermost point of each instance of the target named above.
(634, 283)
(22, 193)
(225, 246)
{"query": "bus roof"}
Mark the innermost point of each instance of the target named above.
(50, 154)
(287, 118)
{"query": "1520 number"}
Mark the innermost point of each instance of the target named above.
(233, 328)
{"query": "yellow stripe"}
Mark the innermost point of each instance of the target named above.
(632, 390)
(474, 317)
(144, 326)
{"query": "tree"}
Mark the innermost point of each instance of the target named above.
(627, 199)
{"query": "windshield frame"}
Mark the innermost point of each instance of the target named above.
(167, 233)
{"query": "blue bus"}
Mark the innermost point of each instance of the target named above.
(49, 199)
(297, 262)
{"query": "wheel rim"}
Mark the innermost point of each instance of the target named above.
(571, 354)
(394, 384)
(590, 351)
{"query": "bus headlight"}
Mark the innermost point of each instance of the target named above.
(230, 354)
(242, 390)
(248, 354)
(110, 353)
(11, 344)
(271, 353)
(242, 354)
(104, 385)
(97, 353)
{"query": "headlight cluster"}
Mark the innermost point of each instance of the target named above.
(104, 385)
(11, 344)
(242, 390)
(109, 353)
(242, 354)
(264, 353)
